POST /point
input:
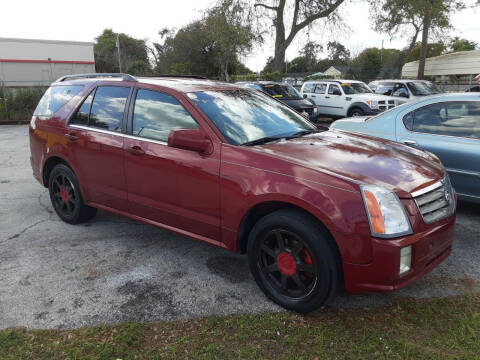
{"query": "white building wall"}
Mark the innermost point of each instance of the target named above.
(25, 62)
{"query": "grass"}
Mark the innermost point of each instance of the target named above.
(409, 329)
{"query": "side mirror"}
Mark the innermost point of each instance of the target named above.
(190, 139)
(304, 96)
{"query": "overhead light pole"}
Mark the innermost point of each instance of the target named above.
(117, 45)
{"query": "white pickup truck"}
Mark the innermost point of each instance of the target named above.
(346, 98)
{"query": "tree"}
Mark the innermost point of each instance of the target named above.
(460, 44)
(305, 13)
(230, 25)
(434, 49)
(412, 17)
(131, 51)
(337, 52)
(367, 65)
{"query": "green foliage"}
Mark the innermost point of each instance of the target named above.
(139, 67)
(434, 49)
(460, 44)
(131, 51)
(271, 76)
(20, 103)
(368, 64)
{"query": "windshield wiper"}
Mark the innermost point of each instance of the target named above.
(301, 133)
(262, 140)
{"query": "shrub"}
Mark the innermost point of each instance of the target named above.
(19, 104)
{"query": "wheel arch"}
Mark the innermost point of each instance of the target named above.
(359, 105)
(48, 166)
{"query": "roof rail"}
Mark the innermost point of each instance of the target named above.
(174, 76)
(125, 77)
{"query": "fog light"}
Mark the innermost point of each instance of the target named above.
(405, 259)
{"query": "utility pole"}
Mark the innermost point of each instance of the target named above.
(117, 44)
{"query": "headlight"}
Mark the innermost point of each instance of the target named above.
(386, 214)
(373, 104)
(315, 110)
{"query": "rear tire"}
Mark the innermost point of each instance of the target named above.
(293, 260)
(66, 198)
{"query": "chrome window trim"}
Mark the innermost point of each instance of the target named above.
(83, 127)
(425, 133)
(427, 189)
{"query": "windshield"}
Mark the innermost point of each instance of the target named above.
(244, 116)
(355, 88)
(281, 91)
(423, 88)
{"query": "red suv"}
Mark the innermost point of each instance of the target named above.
(316, 211)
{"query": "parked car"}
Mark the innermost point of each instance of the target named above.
(342, 98)
(406, 89)
(286, 94)
(447, 125)
(316, 211)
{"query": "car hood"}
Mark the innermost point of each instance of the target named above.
(298, 103)
(361, 159)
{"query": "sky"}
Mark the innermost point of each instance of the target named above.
(84, 20)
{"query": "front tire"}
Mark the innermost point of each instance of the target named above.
(66, 198)
(293, 260)
(356, 112)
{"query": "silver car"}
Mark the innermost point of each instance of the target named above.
(447, 125)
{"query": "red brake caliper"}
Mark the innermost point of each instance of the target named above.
(64, 194)
(308, 258)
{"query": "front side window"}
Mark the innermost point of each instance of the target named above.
(384, 88)
(108, 107)
(334, 90)
(456, 118)
(55, 97)
(400, 90)
(156, 114)
(243, 116)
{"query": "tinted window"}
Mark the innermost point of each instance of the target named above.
(156, 114)
(308, 88)
(460, 119)
(321, 88)
(334, 88)
(108, 107)
(243, 116)
(81, 116)
(281, 91)
(54, 98)
(408, 121)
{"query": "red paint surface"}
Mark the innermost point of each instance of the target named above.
(207, 196)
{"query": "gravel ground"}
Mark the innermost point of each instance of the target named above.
(55, 275)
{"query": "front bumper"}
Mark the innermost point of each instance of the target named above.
(429, 249)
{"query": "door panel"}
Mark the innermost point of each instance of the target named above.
(175, 187)
(460, 155)
(335, 104)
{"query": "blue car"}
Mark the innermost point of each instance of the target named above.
(447, 125)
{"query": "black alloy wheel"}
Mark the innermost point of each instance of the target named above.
(66, 197)
(294, 260)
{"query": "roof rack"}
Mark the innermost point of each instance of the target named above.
(125, 77)
(174, 76)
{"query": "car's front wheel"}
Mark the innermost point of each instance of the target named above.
(356, 112)
(293, 261)
(66, 197)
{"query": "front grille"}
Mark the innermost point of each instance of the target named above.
(436, 202)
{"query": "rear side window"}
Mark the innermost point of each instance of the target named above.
(308, 88)
(81, 116)
(108, 107)
(156, 114)
(54, 98)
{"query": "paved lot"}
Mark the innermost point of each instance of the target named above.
(111, 269)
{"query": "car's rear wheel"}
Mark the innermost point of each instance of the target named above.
(293, 261)
(66, 197)
(356, 112)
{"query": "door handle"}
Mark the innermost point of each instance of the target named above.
(410, 142)
(327, 97)
(136, 150)
(312, 95)
(71, 136)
